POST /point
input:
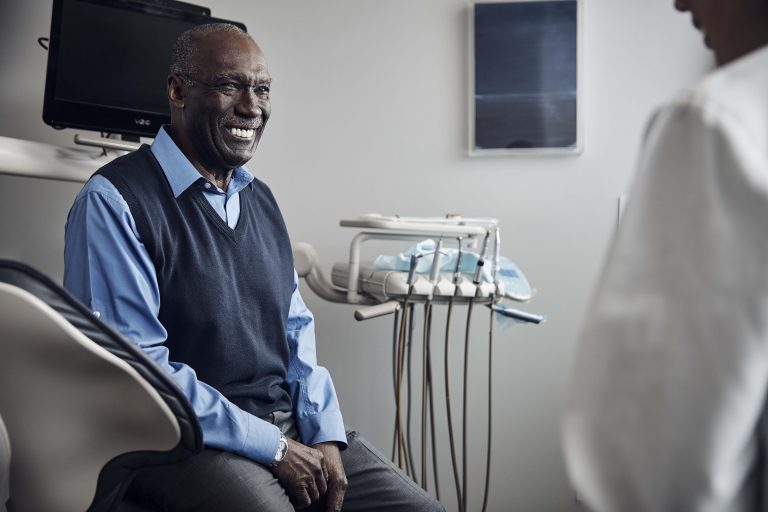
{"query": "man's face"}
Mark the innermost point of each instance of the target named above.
(725, 23)
(226, 104)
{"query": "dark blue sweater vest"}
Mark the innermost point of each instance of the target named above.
(224, 294)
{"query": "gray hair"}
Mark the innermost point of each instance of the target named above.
(185, 48)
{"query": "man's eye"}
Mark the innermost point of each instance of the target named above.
(262, 90)
(229, 87)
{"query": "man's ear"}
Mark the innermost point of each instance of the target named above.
(176, 91)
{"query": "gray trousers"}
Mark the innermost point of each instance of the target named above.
(215, 480)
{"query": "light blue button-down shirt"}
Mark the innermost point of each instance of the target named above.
(107, 267)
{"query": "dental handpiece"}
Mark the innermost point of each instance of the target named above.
(496, 257)
(412, 269)
(457, 270)
(434, 272)
(481, 260)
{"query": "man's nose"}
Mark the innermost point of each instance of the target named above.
(249, 104)
(681, 5)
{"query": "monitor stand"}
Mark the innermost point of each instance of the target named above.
(128, 142)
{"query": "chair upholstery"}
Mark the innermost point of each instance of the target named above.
(83, 406)
(5, 465)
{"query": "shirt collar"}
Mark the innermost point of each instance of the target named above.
(180, 172)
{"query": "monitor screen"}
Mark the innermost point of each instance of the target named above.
(108, 63)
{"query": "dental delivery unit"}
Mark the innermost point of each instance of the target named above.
(452, 261)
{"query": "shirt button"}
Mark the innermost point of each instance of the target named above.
(96, 314)
(207, 185)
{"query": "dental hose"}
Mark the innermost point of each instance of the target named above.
(395, 341)
(396, 380)
(399, 432)
(446, 371)
(490, 415)
(398, 370)
(424, 395)
(476, 281)
(403, 457)
(408, 413)
(432, 426)
(464, 411)
(496, 266)
(427, 395)
(427, 398)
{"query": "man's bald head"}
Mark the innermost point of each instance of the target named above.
(184, 53)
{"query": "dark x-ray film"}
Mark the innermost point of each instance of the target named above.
(525, 76)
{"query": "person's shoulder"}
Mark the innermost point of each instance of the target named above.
(101, 184)
(99, 190)
(730, 101)
(734, 93)
(133, 159)
(748, 73)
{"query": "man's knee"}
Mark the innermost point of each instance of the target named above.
(211, 480)
(377, 484)
(428, 504)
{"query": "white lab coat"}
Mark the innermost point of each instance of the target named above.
(667, 410)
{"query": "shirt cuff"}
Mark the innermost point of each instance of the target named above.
(261, 440)
(322, 427)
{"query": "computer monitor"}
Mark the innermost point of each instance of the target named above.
(108, 63)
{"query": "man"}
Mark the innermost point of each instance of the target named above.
(668, 403)
(180, 248)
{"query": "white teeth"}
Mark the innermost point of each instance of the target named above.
(243, 134)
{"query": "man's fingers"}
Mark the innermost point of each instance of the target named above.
(325, 471)
(310, 488)
(313, 492)
(337, 479)
(334, 498)
(300, 497)
(337, 488)
(322, 480)
(303, 474)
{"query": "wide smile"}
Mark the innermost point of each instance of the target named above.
(241, 133)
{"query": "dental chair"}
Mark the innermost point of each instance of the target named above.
(83, 407)
(5, 465)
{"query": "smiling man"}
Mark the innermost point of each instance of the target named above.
(668, 403)
(184, 251)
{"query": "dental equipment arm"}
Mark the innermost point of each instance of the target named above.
(305, 262)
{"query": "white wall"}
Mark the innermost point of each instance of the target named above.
(369, 115)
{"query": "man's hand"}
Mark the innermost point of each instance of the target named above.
(337, 479)
(303, 474)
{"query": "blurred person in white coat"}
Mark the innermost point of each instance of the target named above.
(668, 406)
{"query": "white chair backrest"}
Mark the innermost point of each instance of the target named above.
(69, 407)
(5, 465)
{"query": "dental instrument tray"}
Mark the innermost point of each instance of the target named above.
(387, 284)
(454, 259)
